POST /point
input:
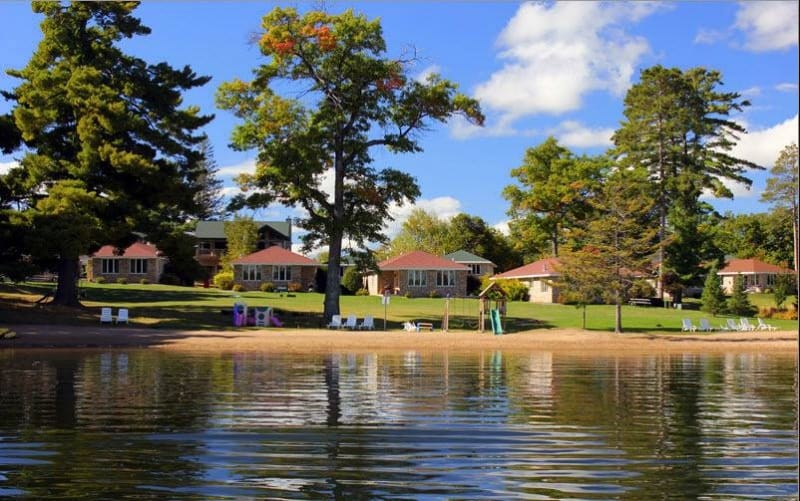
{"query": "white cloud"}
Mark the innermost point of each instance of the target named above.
(763, 146)
(423, 75)
(442, 207)
(768, 25)
(557, 53)
(7, 166)
(246, 167)
(230, 191)
(706, 36)
(575, 134)
(786, 87)
(502, 227)
(751, 92)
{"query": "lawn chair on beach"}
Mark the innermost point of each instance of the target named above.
(705, 326)
(762, 326)
(350, 323)
(106, 316)
(336, 322)
(122, 316)
(410, 327)
(730, 325)
(368, 323)
(688, 326)
(746, 325)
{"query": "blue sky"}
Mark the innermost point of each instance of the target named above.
(538, 69)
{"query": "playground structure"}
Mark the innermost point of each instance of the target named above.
(492, 293)
(257, 316)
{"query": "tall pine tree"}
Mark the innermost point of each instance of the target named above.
(110, 149)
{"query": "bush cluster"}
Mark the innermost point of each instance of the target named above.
(362, 292)
(170, 279)
(294, 287)
(100, 280)
(266, 287)
(144, 281)
(122, 280)
(238, 288)
(224, 280)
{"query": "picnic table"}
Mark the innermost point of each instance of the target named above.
(425, 325)
(640, 301)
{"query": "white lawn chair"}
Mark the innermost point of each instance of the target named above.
(746, 325)
(106, 316)
(368, 323)
(733, 326)
(762, 326)
(705, 326)
(336, 322)
(688, 326)
(122, 316)
(410, 327)
(350, 323)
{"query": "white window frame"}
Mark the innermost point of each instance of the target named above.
(446, 278)
(138, 266)
(251, 272)
(109, 266)
(417, 278)
(475, 268)
(544, 286)
(278, 271)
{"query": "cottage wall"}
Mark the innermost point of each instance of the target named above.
(301, 276)
(94, 270)
(757, 282)
(539, 291)
(458, 290)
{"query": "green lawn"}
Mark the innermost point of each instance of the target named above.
(196, 308)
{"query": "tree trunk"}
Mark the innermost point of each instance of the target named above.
(554, 240)
(333, 288)
(67, 289)
(796, 240)
(618, 316)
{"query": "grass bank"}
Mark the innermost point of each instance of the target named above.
(169, 307)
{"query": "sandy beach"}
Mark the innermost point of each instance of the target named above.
(567, 341)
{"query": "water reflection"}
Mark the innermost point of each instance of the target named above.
(149, 424)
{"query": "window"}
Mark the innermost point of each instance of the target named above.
(544, 286)
(110, 266)
(281, 273)
(417, 278)
(771, 280)
(139, 266)
(251, 272)
(475, 269)
(446, 278)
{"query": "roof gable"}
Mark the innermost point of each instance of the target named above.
(276, 255)
(542, 268)
(736, 266)
(419, 260)
(136, 250)
(462, 256)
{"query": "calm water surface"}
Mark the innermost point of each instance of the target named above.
(145, 424)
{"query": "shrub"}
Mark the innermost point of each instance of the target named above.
(713, 297)
(122, 280)
(144, 281)
(238, 288)
(352, 280)
(408, 295)
(513, 289)
(224, 280)
(434, 294)
(362, 292)
(100, 280)
(170, 279)
(789, 314)
(294, 287)
(783, 288)
(641, 288)
(739, 303)
(267, 287)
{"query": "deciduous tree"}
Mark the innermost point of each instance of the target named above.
(352, 99)
(783, 190)
(242, 237)
(109, 148)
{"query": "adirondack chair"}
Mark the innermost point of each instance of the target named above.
(368, 323)
(746, 325)
(705, 326)
(762, 326)
(731, 325)
(106, 316)
(336, 322)
(122, 316)
(350, 323)
(410, 327)
(688, 326)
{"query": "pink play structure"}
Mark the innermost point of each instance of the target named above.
(257, 316)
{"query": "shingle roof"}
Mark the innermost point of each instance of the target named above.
(736, 266)
(542, 268)
(276, 255)
(462, 256)
(419, 260)
(216, 229)
(136, 250)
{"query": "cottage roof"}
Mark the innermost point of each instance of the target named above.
(542, 268)
(276, 255)
(137, 250)
(419, 260)
(216, 229)
(750, 266)
(462, 256)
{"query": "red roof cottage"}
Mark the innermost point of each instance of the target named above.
(757, 275)
(137, 262)
(275, 264)
(418, 274)
(536, 276)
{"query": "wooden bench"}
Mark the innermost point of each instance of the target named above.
(425, 325)
(640, 301)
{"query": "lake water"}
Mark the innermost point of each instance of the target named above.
(146, 424)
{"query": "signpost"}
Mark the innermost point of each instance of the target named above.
(385, 303)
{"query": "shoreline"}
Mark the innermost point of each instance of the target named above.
(564, 341)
